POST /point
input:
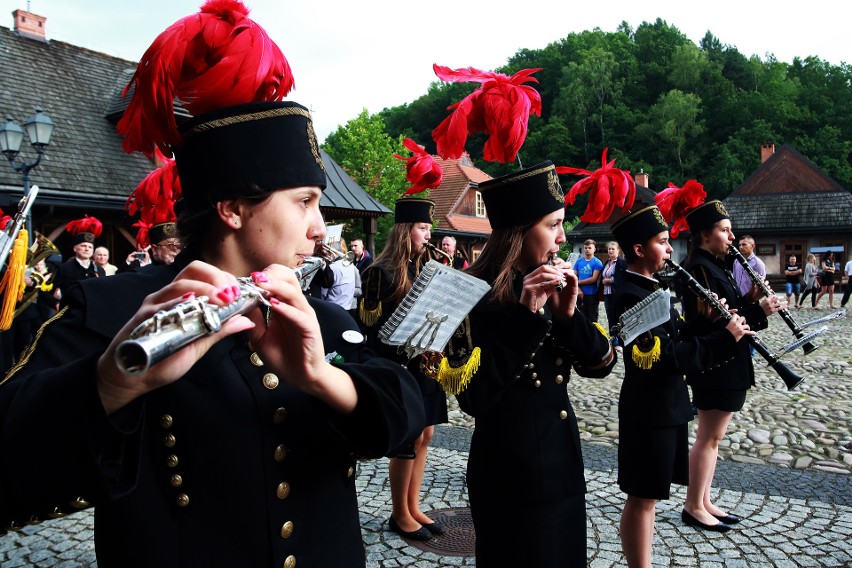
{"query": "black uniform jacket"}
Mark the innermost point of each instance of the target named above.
(228, 466)
(659, 396)
(711, 273)
(526, 445)
(72, 271)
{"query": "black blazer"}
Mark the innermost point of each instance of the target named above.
(228, 466)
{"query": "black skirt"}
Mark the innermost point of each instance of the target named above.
(651, 459)
(726, 400)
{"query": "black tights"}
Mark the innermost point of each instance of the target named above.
(813, 292)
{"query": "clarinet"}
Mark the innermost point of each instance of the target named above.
(785, 314)
(169, 331)
(790, 378)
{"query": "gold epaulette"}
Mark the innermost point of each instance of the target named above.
(369, 317)
(646, 359)
(455, 379)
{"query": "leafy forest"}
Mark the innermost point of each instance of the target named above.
(660, 103)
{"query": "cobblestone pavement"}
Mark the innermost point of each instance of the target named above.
(785, 466)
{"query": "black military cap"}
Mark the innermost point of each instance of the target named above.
(705, 216)
(413, 210)
(521, 197)
(639, 226)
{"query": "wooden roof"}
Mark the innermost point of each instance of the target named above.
(460, 176)
(788, 193)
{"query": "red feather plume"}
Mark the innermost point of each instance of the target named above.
(421, 169)
(154, 198)
(85, 225)
(214, 59)
(675, 202)
(4, 220)
(610, 188)
(500, 107)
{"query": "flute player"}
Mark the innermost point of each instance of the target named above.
(239, 450)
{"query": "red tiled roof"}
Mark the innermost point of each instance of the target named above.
(458, 175)
(468, 224)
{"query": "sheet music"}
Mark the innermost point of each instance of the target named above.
(437, 303)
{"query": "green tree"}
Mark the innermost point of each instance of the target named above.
(674, 121)
(365, 151)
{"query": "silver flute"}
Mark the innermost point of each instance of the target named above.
(552, 262)
(169, 331)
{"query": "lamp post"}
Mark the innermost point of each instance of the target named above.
(39, 128)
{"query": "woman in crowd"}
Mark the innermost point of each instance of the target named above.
(654, 408)
(827, 279)
(241, 448)
(612, 270)
(721, 390)
(516, 350)
(384, 284)
(812, 284)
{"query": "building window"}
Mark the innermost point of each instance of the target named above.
(480, 205)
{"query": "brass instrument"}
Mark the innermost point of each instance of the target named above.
(790, 378)
(435, 249)
(169, 331)
(331, 254)
(785, 314)
(40, 250)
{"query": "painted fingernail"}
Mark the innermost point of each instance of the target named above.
(260, 277)
(226, 295)
(236, 290)
(274, 301)
(187, 296)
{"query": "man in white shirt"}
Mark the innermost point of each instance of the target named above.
(848, 289)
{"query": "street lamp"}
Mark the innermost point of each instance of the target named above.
(38, 127)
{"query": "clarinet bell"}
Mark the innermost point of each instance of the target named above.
(790, 378)
(809, 348)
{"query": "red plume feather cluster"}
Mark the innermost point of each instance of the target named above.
(421, 169)
(610, 188)
(85, 225)
(675, 202)
(154, 198)
(207, 61)
(4, 220)
(500, 107)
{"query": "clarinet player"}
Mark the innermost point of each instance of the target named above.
(240, 449)
(720, 391)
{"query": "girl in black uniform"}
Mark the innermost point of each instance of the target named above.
(653, 407)
(720, 390)
(516, 349)
(385, 283)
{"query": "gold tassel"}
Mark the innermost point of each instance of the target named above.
(601, 329)
(369, 317)
(645, 359)
(455, 380)
(13, 281)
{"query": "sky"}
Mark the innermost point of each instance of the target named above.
(350, 55)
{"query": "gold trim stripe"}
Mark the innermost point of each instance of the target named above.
(230, 120)
(632, 215)
(518, 177)
(28, 352)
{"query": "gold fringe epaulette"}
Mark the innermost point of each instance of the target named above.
(601, 329)
(646, 359)
(369, 317)
(455, 379)
(13, 281)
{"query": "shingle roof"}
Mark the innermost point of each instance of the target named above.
(74, 86)
(458, 175)
(344, 196)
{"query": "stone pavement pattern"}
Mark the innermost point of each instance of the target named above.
(785, 466)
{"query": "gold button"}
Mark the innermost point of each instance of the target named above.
(563, 414)
(558, 361)
(290, 562)
(176, 480)
(534, 375)
(287, 529)
(256, 360)
(270, 380)
(279, 416)
(172, 460)
(182, 500)
(541, 311)
(166, 421)
(169, 441)
(559, 379)
(80, 503)
(532, 365)
(537, 383)
(283, 490)
(350, 472)
(280, 453)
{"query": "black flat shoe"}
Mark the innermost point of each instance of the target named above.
(691, 521)
(419, 534)
(436, 528)
(729, 519)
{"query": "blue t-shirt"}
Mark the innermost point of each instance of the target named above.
(584, 269)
